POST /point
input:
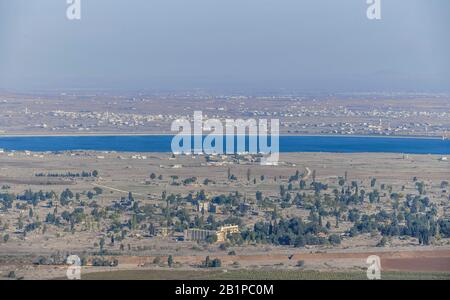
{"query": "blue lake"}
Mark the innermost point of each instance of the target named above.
(162, 143)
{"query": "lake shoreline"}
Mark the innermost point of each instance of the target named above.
(101, 134)
(286, 143)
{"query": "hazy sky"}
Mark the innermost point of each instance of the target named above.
(323, 45)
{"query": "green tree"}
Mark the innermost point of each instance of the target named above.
(334, 239)
(207, 262)
(98, 190)
(300, 241)
(20, 223)
(259, 196)
(216, 263)
(90, 195)
(102, 244)
(211, 239)
(302, 184)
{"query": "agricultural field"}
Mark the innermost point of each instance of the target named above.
(258, 275)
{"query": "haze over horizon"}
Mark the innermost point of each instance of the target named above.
(324, 45)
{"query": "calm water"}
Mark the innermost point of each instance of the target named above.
(161, 143)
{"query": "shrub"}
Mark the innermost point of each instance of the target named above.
(300, 263)
(334, 239)
(157, 260)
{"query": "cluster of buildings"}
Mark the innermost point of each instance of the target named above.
(108, 119)
(219, 235)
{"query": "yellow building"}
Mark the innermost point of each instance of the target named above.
(226, 230)
(194, 234)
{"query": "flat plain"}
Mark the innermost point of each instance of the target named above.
(147, 177)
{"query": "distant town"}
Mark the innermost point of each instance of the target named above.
(346, 114)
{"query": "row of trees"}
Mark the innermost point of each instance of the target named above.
(69, 174)
(292, 232)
